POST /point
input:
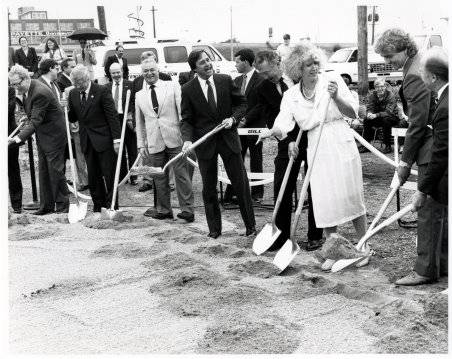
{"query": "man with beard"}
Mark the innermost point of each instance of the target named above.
(207, 102)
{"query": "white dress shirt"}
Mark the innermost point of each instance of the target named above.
(119, 61)
(249, 74)
(204, 87)
(441, 90)
(113, 89)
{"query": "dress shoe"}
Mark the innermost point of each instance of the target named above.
(414, 279)
(250, 231)
(63, 209)
(150, 212)
(158, 215)
(189, 217)
(214, 235)
(133, 181)
(43, 211)
(17, 210)
(145, 187)
(96, 209)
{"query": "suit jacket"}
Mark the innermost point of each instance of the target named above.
(11, 108)
(46, 118)
(138, 82)
(252, 108)
(198, 118)
(54, 83)
(159, 130)
(434, 182)
(186, 76)
(126, 85)
(63, 82)
(30, 62)
(416, 101)
(269, 100)
(112, 59)
(98, 121)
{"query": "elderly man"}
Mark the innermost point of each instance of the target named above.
(382, 111)
(207, 102)
(118, 58)
(433, 187)
(269, 94)
(400, 50)
(157, 114)
(47, 121)
(138, 85)
(118, 89)
(93, 107)
(85, 56)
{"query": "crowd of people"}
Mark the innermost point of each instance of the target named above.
(283, 92)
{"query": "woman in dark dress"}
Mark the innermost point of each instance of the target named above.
(26, 56)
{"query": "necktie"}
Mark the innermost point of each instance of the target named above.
(116, 95)
(83, 54)
(211, 97)
(83, 103)
(155, 104)
(283, 85)
(24, 98)
(243, 88)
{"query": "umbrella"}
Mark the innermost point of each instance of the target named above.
(87, 33)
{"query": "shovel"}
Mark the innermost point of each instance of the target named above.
(268, 235)
(344, 263)
(77, 211)
(16, 130)
(159, 171)
(112, 213)
(395, 185)
(290, 249)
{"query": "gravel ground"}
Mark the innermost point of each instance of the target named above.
(149, 286)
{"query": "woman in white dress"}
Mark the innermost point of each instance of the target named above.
(336, 179)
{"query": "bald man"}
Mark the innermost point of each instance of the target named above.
(118, 88)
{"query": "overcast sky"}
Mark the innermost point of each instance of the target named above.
(321, 20)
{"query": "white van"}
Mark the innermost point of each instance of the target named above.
(172, 56)
(345, 62)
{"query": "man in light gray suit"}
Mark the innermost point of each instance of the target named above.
(157, 115)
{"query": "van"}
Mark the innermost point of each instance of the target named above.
(171, 55)
(345, 63)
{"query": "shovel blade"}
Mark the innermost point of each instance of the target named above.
(265, 238)
(77, 212)
(344, 263)
(285, 255)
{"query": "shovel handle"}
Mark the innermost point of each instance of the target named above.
(16, 130)
(384, 206)
(71, 154)
(121, 147)
(282, 189)
(304, 188)
(396, 216)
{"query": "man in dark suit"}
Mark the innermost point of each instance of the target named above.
(120, 59)
(207, 102)
(186, 76)
(247, 84)
(138, 85)
(49, 73)
(269, 95)
(14, 180)
(47, 121)
(118, 89)
(399, 49)
(93, 107)
(432, 257)
(64, 77)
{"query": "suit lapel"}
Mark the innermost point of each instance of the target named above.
(162, 98)
(444, 95)
(251, 83)
(199, 94)
(89, 100)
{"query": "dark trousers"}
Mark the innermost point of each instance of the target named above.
(249, 143)
(385, 122)
(235, 169)
(101, 174)
(52, 181)
(284, 216)
(130, 146)
(14, 180)
(432, 237)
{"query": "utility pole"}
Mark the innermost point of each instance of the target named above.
(232, 45)
(153, 10)
(373, 23)
(363, 80)
(9, 28)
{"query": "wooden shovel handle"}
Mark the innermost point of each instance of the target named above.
(384, 206)
(15, 130)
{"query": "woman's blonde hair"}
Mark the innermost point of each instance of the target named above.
(300, 54)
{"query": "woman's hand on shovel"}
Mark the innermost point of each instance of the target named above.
(186, 148)
(293, 150)
(144, 153)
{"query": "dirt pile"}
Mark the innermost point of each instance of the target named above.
(219, 250)
(127, 250)
(258, 268)
(63, 289)
(337, 247)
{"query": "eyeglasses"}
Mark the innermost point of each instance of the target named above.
(16, 84)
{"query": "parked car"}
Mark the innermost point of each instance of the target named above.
(172, 56)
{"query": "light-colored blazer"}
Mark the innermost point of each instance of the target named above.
(158, 130)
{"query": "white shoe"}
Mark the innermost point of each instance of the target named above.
(328, 264)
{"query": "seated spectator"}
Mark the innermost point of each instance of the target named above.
(382, 111)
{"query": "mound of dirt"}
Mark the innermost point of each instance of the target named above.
(65, 288)
(258, 268)
(220, 250)
(120, 222)
(126, 250)
(337, 247)
(32, 234)
(171, 262)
